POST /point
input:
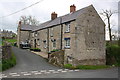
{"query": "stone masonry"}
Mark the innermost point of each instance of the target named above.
(81, 34)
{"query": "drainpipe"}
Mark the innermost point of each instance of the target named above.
(61, 32)
(48, 40)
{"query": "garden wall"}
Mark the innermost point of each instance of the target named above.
(57, 58)
(6, 52)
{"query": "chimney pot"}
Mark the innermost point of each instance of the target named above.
(72, 8)
(53, 15)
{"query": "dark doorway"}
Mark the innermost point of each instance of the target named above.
(35, 43)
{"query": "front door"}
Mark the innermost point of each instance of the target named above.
(35, 43)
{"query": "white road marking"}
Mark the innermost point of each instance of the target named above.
(23, 72)
(15, 75)
(47, 72)
(56, 72)
(71, 70)
(66, 69)
(34, 71)
(38, 73)
(63, 71)
(12, 73)
(60, 69)
(51, 70)
(43, 71)
(4, 76)
(76, 70)
(27, 74)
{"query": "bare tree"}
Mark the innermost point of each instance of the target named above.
(107, 14)
(29, 20)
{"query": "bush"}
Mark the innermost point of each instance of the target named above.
(35, 49)
(54, 50)
(113, 54)
(8, 63)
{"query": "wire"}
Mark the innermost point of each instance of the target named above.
(22, 9)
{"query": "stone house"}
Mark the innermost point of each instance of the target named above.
(7, 34)
(81, 34)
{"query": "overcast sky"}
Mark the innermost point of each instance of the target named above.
(43, 10)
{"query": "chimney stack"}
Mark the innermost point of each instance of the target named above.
(19, 23)
(53, 15)
(72, 8)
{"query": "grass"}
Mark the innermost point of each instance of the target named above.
(92, 67)
(8, 63)
(86, 67)
(0, 65)
(11, 41)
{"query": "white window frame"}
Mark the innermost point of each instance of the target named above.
(67, 43)
(35, 34)
(54, 44)
(38, 41)
(67, 27)
(45, 44)
(32, 34)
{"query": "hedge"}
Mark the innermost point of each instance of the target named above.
(35, 49)
(8, 63)
(113, 55)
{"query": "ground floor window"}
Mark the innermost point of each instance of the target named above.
(45, 44)
(67, 42)
(38, 41)
(54, 43)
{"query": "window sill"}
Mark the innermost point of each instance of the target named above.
(67, 47)
(67, 32)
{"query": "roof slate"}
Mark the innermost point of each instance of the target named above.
(58, 20)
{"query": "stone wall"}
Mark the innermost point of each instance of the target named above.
(55, 36)
(6, 52)
(89, 39)
(57, 58)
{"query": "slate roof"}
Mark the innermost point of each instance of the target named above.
(58, 20)
(27, 27)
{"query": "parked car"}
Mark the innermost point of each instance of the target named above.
(25, 45)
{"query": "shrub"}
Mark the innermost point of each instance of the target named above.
(8, 63)
(113, 54)
(54, 50)
(35, 49)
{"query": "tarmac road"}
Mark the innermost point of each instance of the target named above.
(30, 65)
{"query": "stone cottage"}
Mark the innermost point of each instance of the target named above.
(81, 34)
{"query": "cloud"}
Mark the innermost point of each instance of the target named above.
(43, 10)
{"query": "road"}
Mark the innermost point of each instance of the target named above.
(30, 65)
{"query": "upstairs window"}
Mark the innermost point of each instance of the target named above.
(67, 42)
(36, 33)
(67, 27)
(32, 34)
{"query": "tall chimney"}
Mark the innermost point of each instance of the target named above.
(53, 15)
(72, 8)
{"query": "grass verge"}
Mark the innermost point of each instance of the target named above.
(8, 63)
(86, 67)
